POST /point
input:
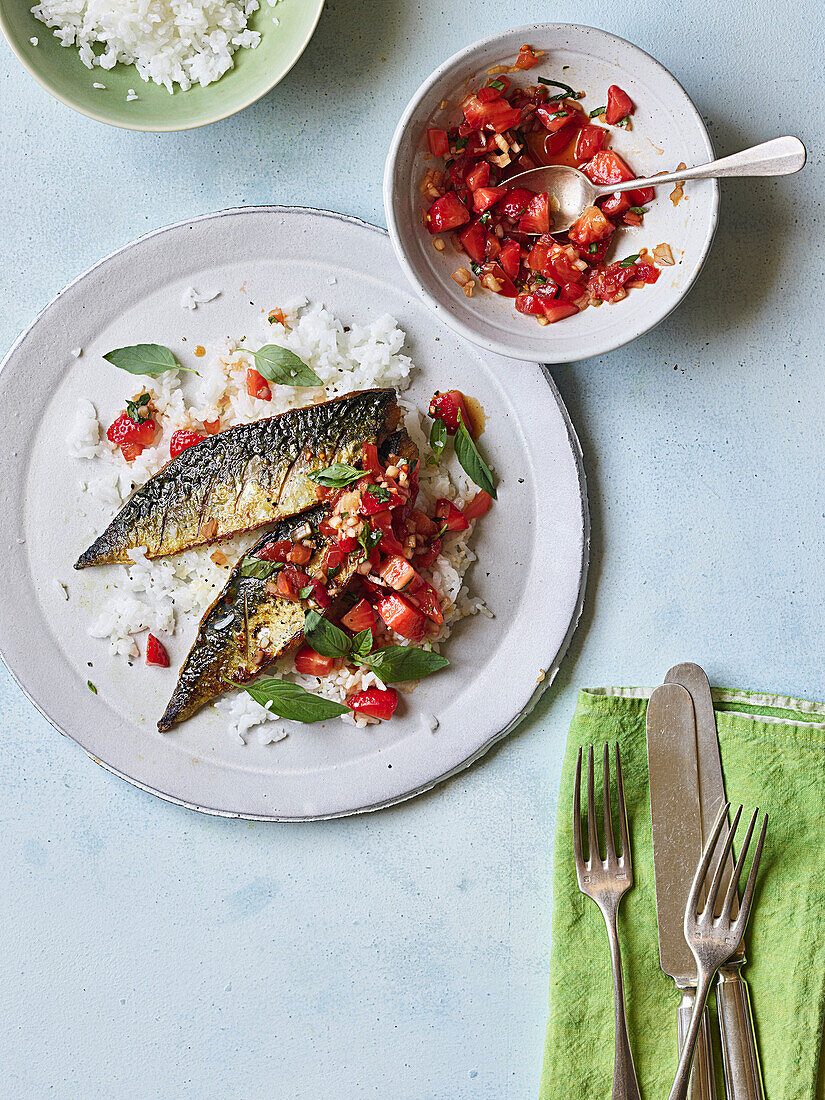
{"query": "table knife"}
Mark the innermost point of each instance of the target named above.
(740, 1056)
(677, 848)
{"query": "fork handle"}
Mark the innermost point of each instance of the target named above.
(681, 1084)
(702, 1079)
(625, 1085)
(743, 1076)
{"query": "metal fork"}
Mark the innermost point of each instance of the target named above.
(713, 939)
(606, 881)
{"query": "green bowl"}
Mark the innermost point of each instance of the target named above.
(61, 72)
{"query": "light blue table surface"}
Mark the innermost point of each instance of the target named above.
(152, 952)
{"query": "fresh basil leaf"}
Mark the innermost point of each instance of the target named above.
(397, 663)
(305, 593)
(337, 475)
(566, 89)
(257, 567)
(379, 492)
(559, 114)
(282, 366)
(461, 142)
(471, 461)
(438, 437)
(497, 84)
(291, 701)
(593, 247)
(597, 111)
(639, 209)
(629, 261)
(150, 359)
(91, 687)
(362, 644)
(485, 217)
(325, 637)
(369, 539)
(138, 410)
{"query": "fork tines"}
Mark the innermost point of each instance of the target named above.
(711, 903)
(612, 861)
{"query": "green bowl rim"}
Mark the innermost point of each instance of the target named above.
(152, 128)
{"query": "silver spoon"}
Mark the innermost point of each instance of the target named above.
(573, 191)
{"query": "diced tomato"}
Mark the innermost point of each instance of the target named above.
(320, 595)
(632, 218)
(647, 272)
(554, 117)
(310, 663)
(451, 517)
(479, 144)
(333, 558)
(182, 439)
(438, 142)
(275, 551)
(536, 218)
(526, 58)
(557, 311)
(458, 172)
(290, 582)
(447, 212)
(515, 202)
(426, 600)
(360, 617)
(497, 116)
(396, 572)
(560, 266)
(485, 197)
(446, 406)
(479, 176)
(212, 427)
(607, 167)
(257, 385)
(619, 105)
(550, 145)
(589, 141)
(641, 196)
(478, 505)
(605, 282)
(510, 258)
(493, 89)
(427, 556)
(616, 205)
(346, 543)
(369, 459)
(401, 616)
(535, 302)
(156, 652)
(571, 292)
(422, 523)
(375, 703)
(590, 227)
(503, 283)
(299, 554)
(382, 521)
(474, 241)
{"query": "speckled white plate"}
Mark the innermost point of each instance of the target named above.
(532, 545)
(667, 131)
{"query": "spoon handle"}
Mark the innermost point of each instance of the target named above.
(779, 157)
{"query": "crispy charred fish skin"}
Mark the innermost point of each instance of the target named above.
(247, 627)
(244, 477)
(228, 644)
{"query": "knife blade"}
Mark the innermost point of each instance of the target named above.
(740, 1056)
(677, 848)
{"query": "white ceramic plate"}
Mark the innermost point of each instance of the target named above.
(532, 545)
(667, 130)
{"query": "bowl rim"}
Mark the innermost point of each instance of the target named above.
(159, 128)
(390, 196)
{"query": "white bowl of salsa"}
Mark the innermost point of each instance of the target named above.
(441, 206)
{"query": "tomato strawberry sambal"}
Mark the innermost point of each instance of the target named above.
(504, 130)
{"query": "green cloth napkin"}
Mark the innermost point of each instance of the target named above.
(773, 756)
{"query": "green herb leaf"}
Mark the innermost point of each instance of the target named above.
(539, 278)
(138, 410)
(291, 701)
(485, 217)
(305, 593)
(325, 637)
(497, 84)
(629, 261)
(257, 567)
(283, 367)
(397, 663)
(624, 122)
(598, 111)
(471, 461)
(639, 209)
(438, 437)
(368, 540)
(566, 89)
(337, 475)
(91, 687)
(477, 269)
(593, 247)
(152, 359)
(362, 644)
(379, 492)
(560, 114)
(461, 142)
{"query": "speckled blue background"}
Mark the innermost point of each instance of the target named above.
(151, 952)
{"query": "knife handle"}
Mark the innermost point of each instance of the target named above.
(702, 1081)
(743, 1076)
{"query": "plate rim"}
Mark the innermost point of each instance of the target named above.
(453, 320)
(553, 667)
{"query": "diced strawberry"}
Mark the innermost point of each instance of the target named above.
(310, 663)
(553, 117)
(426, 600)
(446, 406)
(557, 311)
(447, 212)
(647, 272)
(156, 652)
(375, 703)
(127, 432)
(571, 292)
(607, 167)
(360, 617)
(534, 302)
(616, 205)
(619, 105)
(497, 116)
(275, 551)
(182, 439)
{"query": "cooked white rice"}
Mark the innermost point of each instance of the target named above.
(165, 594)
(169, 42)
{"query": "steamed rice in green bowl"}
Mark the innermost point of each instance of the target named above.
(240, 49)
